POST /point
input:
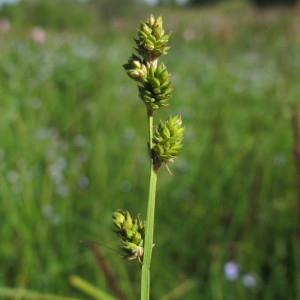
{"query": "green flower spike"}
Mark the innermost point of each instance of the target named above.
(167, 140)
(152, 40)
(136, 68)
(156, 91)
(132, 234)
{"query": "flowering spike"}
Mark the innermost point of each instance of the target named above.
(167, 140)
(152, 41)
(156, 91)
(131, 233)
(118, 219)
(136, 68)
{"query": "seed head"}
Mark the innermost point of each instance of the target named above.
(131, 233)
(152, 40)
(156, 90)
(167, 140)
(136, 68)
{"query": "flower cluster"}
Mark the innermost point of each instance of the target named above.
(155, 89)
(152, 40)
(232, 272)
(132, 234)
(137, 68)
(167, 140)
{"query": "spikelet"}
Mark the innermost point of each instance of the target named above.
(156, 90)
(167, 140)
(131, 233)
(137, 68)
(152, 40)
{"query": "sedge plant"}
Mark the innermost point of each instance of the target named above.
(164, 141)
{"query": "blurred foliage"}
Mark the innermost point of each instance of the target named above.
(201, 2)
(57, 14)
(258, 3)
(113, 8)
(262, 3)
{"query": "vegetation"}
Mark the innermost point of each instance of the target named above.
(273, 2)
(73, 151)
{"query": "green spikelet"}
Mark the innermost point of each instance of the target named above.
(137, 68)
(156, 91)
(152, 40)
(167, 140)
(131, 233)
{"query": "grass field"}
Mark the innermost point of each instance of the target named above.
(73, 149)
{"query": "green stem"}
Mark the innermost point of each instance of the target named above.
(19, 293)
(89, 289)
(145, 281)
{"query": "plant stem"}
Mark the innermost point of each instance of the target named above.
(89, 289)
(145, 280)
(19, 293)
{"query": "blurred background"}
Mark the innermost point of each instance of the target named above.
(73, 148)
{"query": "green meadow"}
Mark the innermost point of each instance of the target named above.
(73, 149)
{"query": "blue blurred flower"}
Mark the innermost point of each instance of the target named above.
(249, 280)
(83, 181)
(231, 270)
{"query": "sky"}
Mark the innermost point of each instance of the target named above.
(8, 1)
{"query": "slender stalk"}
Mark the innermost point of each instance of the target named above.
(145, 280)
(19, 293)
(89, 289)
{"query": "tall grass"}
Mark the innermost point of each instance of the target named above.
(234, 191)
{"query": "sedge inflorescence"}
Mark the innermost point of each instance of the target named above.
(155, 90)
(167, 139)
(131, 233)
